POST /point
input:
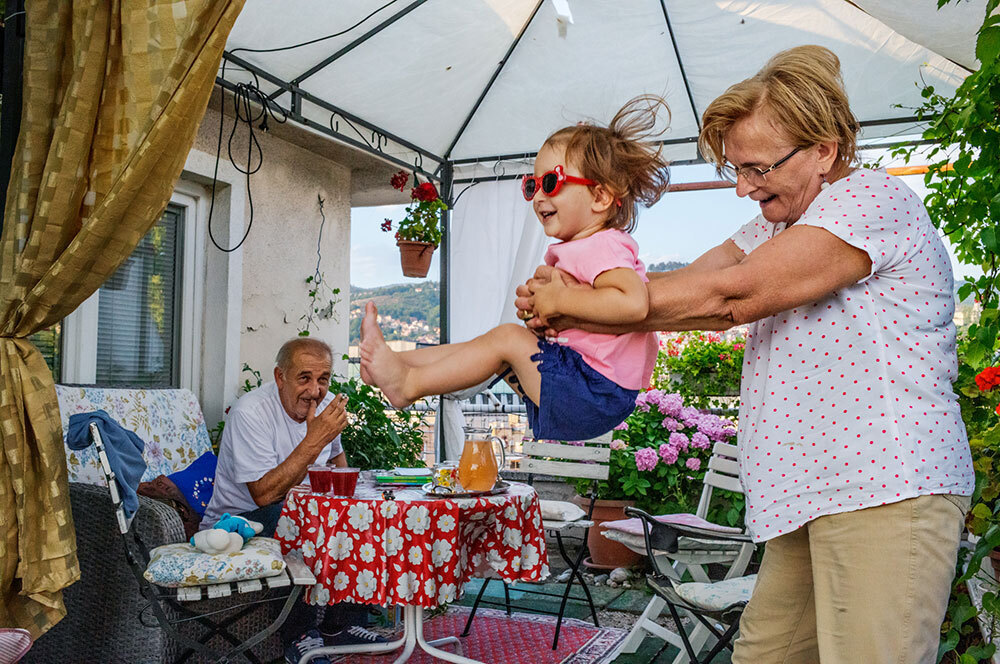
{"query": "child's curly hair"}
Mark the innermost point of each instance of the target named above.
(621, 157)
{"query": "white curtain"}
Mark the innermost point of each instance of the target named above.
(496, 244)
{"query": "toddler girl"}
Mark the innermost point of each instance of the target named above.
(586, 189)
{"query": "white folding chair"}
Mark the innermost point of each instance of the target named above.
(693, 554)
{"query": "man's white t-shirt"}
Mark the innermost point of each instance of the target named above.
(257, 437)
(846, 402)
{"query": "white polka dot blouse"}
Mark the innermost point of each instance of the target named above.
(847, 403)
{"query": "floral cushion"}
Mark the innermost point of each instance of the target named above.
(634, 526)
(719, 595)
(170, 422)
(175, 565)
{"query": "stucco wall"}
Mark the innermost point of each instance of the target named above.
(280, 249)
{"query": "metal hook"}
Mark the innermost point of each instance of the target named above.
(502, 170)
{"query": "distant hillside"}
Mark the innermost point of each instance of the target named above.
(666, 266)
(406, 311)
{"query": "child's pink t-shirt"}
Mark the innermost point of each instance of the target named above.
(627, 359)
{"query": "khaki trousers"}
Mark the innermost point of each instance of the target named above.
(869, 586)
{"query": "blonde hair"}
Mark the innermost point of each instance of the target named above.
(802, 91)
(620, 158)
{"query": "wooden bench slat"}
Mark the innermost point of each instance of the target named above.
(249, 586)
(720, 481)
(218, 590)
(566, 525)
(724, 465)
(298, 570)
(555, 450)
(595, 471)
(278, 580)
(189, 594)
(725, 449)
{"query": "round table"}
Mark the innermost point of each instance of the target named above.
(413, 550)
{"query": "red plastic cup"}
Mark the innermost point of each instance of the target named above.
(345, 481)
(321, 478)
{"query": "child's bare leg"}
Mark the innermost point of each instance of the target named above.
(461, 366)
(427, 355)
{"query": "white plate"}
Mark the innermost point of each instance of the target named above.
(412, 472)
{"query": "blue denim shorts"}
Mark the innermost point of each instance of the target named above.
(577, 402)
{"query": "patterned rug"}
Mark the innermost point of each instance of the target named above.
(520, 639)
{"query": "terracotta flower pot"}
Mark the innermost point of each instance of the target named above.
(415, 257)
(605, 553)
(995, 560)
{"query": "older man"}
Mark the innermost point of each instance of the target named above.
(272, 435)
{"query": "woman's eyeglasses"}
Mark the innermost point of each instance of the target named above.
(754, 176)
(550, 183)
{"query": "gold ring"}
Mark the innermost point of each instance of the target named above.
(525, 315)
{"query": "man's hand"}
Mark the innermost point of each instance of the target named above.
(328, 424)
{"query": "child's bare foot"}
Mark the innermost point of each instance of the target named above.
(380, 366)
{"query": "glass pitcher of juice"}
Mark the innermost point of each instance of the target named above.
(478, 468)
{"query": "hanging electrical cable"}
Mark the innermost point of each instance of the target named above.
(245, 95)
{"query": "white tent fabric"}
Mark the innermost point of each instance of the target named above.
(472, 87)
(458, 79)
(498, 241)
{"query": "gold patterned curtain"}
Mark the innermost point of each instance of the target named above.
(113, 94)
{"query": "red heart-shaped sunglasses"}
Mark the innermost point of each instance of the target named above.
(550, 183)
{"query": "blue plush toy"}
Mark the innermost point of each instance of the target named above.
(228, 536)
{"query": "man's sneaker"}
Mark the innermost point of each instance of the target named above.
(352, 636)
(305, 643)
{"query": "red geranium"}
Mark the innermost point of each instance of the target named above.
(424, 192)
(422, 222)
(399, 180)
(988, 378)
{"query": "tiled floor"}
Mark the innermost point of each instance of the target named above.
(633, 601)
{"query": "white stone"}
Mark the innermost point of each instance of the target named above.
(619, 574)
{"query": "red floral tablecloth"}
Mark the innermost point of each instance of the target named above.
(415, 549)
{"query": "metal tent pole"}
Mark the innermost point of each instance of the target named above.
(447, 191)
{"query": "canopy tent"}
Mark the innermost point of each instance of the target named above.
(462, 82)
(465, 91)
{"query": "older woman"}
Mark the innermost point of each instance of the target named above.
(853, 453)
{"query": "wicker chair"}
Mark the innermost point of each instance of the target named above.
(107, 620)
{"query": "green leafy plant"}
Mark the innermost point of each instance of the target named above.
(422, 222)
(376, 435)
(659, 456)
(963, 181)
(323, 301)
(699, 366)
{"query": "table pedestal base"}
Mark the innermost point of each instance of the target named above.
(413, 636)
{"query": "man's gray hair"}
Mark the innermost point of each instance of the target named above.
(301, 344)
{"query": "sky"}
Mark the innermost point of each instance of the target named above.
(680, 227)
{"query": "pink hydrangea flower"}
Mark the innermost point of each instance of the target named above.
(668, 453)
(700, 440)
(645, 458)
(622, 427)
(670, 424)
(693, 463)
(618, 444)
(679, 440)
